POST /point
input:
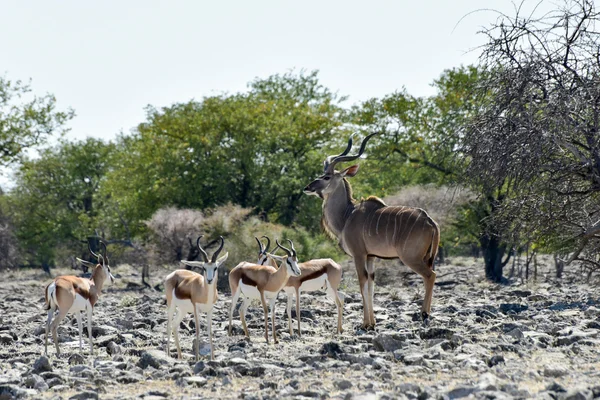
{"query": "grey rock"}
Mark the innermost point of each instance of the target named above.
(516, 333)
(129, 377)
(199, 367)
(42, 364)
(461, 391)
(113, 349)
(197, 381)
(76, 359)
(33, 379)
(343, 384)
(387, 342)
(495, 360)
(12, 392)
(555, 371)
(6, 339)
(153, 358)
(436, 333)
(85, 395)
(83, 371)
(579, 394)
(52, 382)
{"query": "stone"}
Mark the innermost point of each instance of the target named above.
(461, 391)
(153, 358)
(387, 342)
(128, 377)
(113, 349)
(6, 339)
(555, 371)
(487, 382)
(436, 333)
(76, 359)
(85, 395)
(42, 364)
(197, 381)
(579, 394)
(12, 392)
(343, 384)
(199, 367)
(495, 360)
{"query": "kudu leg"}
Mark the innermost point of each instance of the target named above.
(428, 275)
(371, 284)
(429, 284)
(360, 263)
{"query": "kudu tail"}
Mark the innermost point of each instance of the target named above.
(433, 247)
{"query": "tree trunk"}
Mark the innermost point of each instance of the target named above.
(493, 251)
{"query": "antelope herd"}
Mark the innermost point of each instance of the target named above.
(365, 229)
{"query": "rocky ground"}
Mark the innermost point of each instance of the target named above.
(534, 340)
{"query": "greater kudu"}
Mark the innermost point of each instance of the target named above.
(370, 229)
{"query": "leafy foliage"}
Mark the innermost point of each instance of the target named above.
(26, 120)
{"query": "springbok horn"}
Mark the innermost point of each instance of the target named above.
(216, 253)
(345, 158)
(98, 256)
(268, 243)
(293, 249)
(105, 255)
(330, 158)
(201, 249)
(260, 245)
(288, 251)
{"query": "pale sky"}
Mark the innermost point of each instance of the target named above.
(109, 59)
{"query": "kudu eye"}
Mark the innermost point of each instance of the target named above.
(326, 178)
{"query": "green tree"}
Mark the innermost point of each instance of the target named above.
(58, 198)
(255, 149)
(26, 120)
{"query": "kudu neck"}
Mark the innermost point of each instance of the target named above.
(337, 206)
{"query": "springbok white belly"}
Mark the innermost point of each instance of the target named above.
(80, 304)
(251, 292)
(186, 306)
(313, 285)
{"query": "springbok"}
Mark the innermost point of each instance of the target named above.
(264, 282)
(188, 291)
(370, 229)
(72, 294)
(318, 274)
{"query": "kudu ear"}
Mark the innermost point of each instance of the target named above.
(222, 259)
(350, 171)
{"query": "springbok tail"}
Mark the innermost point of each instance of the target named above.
(51, 301)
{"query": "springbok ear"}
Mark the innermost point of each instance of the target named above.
(350, 171)
(222, 259)
(86, 263)
(193, 263)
